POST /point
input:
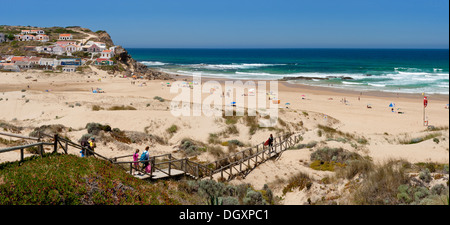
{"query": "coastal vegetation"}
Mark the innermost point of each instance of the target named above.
(70, 180)
(59, 179)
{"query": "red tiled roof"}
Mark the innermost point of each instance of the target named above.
(17, 58)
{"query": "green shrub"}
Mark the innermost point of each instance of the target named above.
(212, 190)
(228, 200)
(325, 166)
(299, 181)
(333, 154)
(425, 175)
(421, 193)
(214, 139)
(355, 167)
(436, 140)
(235, 142)
(172, 129)
(381, 185)
(159, 98)
(191, 147)
(114, 108)
(95, 128)
(96, 108)
(253, 198)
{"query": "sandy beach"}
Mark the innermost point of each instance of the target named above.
(67, 99)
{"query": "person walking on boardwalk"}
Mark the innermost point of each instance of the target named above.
(145, 157)
(136, 159)
(270, 142)
(91, 146)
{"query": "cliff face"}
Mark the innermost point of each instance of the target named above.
(134, 67)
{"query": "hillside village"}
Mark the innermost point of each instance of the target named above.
(53, 49)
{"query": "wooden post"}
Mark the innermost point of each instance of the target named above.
(152, 163)
(197, 172)
(170, 165)
(131, 168)
(67, 147)
(21, 154)
(41, 150)
(280, 147)
(55, 144)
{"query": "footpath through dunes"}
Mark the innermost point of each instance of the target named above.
(166, 166)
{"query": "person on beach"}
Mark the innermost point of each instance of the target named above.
(136, 159)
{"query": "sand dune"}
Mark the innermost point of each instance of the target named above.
(66, 98)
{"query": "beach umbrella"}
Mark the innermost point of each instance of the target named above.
(392, 105)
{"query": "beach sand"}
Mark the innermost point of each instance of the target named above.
(50, 97)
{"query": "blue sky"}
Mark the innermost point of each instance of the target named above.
(247, 23)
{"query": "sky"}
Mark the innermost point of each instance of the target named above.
(246, 23)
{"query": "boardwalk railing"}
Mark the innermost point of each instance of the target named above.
(240, 163)
(57, 143)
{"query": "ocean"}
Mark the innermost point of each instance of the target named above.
(390, 70)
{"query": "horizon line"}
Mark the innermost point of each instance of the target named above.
(385, 48)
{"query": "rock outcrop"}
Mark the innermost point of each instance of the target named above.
(134, 67)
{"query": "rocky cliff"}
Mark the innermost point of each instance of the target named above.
(134, 67)
(131, 66)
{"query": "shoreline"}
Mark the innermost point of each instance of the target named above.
(318, 90)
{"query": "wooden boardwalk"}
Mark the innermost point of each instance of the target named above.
(238, 164)
(166, 166)
(159, 174)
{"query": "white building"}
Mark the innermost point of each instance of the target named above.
(42, 38)
(24, 37)
(48, 62)
(32, 32)
(107, 54)
(101, 45)
(65, 37)
(58, 49)
(73, 48)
